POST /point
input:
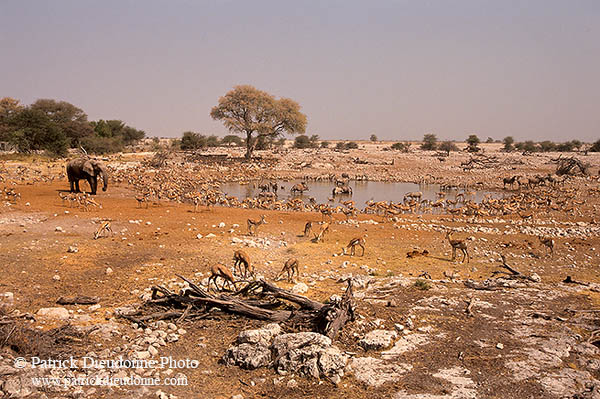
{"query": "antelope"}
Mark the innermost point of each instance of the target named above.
(142, 199)
(299, 188)
(253, 224)
(241, 258)
(307, 228)
(220, 270)
(64, 197)
(458, 244)
(510, 181)
(547, 242)
(289, 266)
(356, 242)
(105, 227)
(323, 230)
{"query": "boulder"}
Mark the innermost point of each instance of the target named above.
(378, 339)
(263, 336)
(248, 356)
(54, 313)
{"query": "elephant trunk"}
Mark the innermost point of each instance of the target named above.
(104, 175)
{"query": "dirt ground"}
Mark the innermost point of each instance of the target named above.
(523, 340)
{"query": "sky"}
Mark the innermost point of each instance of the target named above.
(397, 69)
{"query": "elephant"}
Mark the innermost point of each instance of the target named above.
(89, 169)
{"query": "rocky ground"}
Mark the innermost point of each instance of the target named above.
(457, 334)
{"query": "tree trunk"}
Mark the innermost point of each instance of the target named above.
(249, 145)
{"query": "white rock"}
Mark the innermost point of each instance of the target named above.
(54, 313)
(59, 229)
(109, 270)
(300, 288)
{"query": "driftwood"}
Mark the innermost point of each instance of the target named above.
(569, 166)
(511, 272)
(480, 161)
(78, 300)
(262, 300)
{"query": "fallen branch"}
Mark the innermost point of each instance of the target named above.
(78, 300)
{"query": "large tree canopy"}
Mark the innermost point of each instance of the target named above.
(255, 113)
(71, 119)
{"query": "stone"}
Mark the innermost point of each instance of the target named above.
(300, 288)
(248, 356)
(59, 229)
(263, 336)
(378, 339)
(376, 372)
(210, 235)
(54, 313)
(72, 249)
(307, 354)
(109, 270)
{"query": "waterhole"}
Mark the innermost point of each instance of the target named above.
(363, 191)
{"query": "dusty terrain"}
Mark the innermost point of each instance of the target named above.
(520, 338)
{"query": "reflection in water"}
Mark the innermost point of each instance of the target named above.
(363, 191)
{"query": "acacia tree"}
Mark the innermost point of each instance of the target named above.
(71, 119)
(257, 114)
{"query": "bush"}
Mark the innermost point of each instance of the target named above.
(192, 141)
(351, 145)
(429, 142)
(547, 146)
(231, 139)
(595, 147)
(448, 146)
(508, 143)
(373, 138)
(325, 144)
(212, 141)
(102, 145)
(403, 147)
(473, 143)
(340, 146)
(302, 141)
(527, 146)
(489, 140)
(422, 285)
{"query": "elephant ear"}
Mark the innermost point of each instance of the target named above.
(88, 168)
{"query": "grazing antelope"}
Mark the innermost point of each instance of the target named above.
(253, 224)
(417, 253)
(307, 228)
(299, 188)
(548, 243)
(290, 266)
(510, 181)
(241, 258)
(458, 244)
(322, 231)
(104, 228)
(220, 270)
(142, 199)
(356, 242)
(526, 216)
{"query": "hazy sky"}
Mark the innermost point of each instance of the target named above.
(399, 69)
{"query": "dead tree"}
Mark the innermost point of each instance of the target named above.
(262, 301)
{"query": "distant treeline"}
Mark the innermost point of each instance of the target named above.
(55, 126)
(430, 142)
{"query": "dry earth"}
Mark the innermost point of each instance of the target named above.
(526, 339)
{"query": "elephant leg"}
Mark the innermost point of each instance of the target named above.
(90, 181)
(77, 185)
(72, 183)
